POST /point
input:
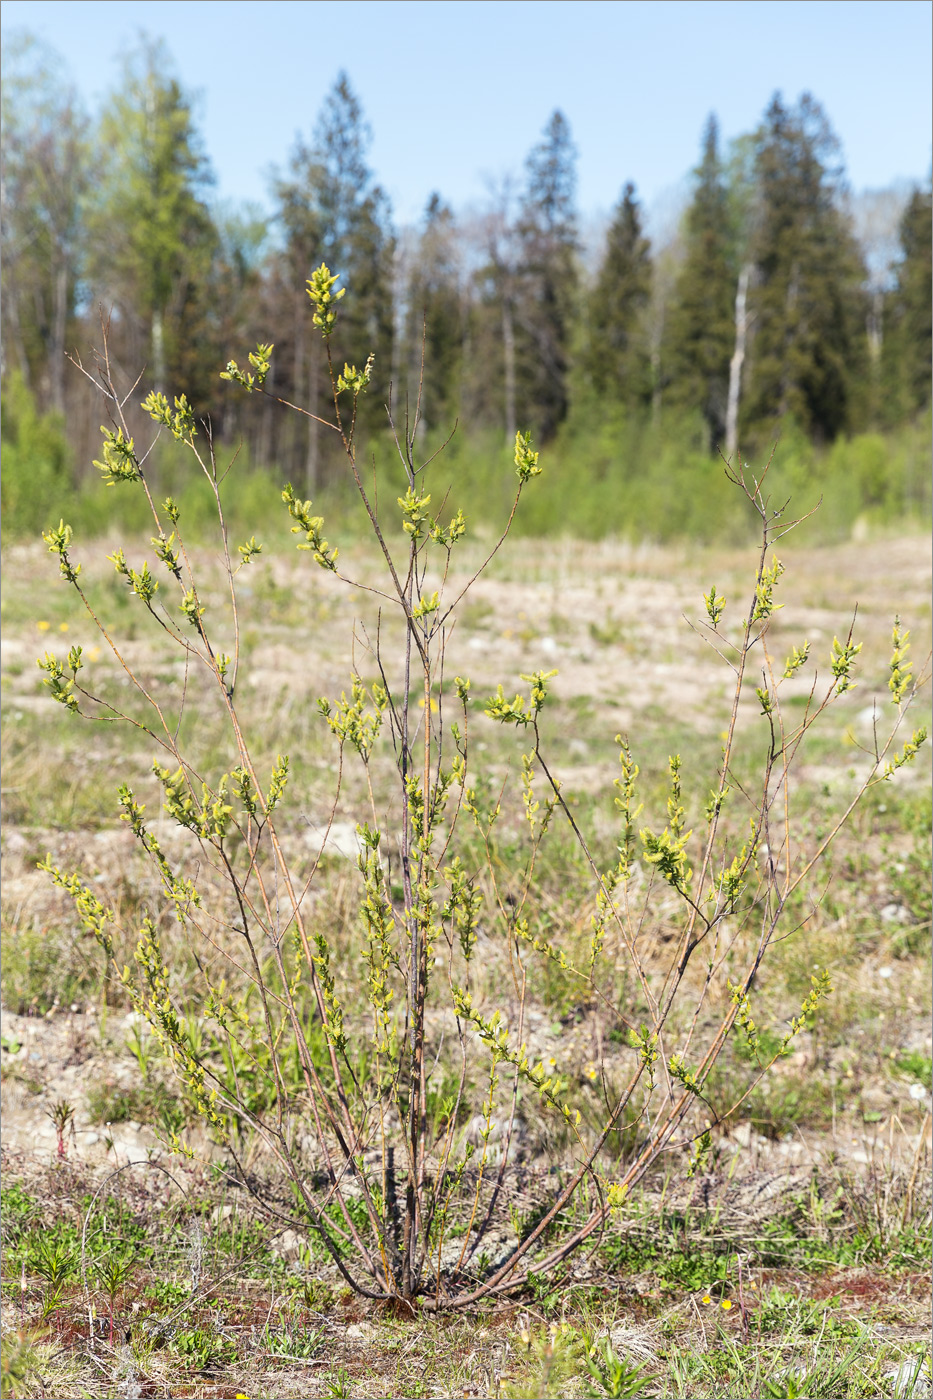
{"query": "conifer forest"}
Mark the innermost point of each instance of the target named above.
(777, 308)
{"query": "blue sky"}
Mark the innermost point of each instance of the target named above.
(457, 91)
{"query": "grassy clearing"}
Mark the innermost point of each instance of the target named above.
(809, 1234)
(187, 1290)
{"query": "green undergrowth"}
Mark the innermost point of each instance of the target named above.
(609, 474)
(679, 1303)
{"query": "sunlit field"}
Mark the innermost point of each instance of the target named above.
(796, 1257)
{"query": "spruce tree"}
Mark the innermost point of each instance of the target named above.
(906, 347)
(619, 356)
(700, 331)
(808, 353)
(546, 295)
(331, 211)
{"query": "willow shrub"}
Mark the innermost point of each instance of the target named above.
(381, 1169)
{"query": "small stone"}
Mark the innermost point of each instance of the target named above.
(289, 1245)
(364, 1331)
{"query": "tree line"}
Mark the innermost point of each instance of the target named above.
(761, 309)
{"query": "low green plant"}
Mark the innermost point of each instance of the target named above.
(290, 1342)
(278, 1048)
(204, 1348)
(338, 1384)
(20, 1362)
(614, 1376)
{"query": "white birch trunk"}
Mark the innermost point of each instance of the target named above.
(736, 363)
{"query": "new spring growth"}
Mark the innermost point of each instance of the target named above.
(679, 1071)
(311, 527)
(62, 689)
(715, 804)
(261, 361)
(743, 1017)
(715, 606)
(532, 805)
(278, 782)
(646, 1043)
(675, 808)
(732, 880)
(180, 423)
(180, 890)
(900, 667)
(429, 604)
(351, 721)
(908, 753)
(209, 819)
(119, 462)
(842, 661)
(380, 927)
(448, 535)
(58, 540)
(191, 608)
(355, 380)
(557, 955)
(764, 590)
(797, 658)
(766, 699)
(820, 989)
(415, 518)
(624, 801)
(324, 299)
(333, 1011)
(667, 851)
(248, 551)
(700, 1154)
(513, 711)
(494, 1035)
(526, 460)
(165, 551)
(162, 1017)
(463, 907)
(141, 583)
(93, 915)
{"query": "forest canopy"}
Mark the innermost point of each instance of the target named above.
(772, 311)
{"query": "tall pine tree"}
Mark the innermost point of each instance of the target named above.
(808, 352)
(908, 335)
(700, 331)
(331, 211)
(619, 354)
(546, 296)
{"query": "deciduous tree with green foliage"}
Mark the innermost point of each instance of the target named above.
(46, 169)
(152, 239)
(360, 1088)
